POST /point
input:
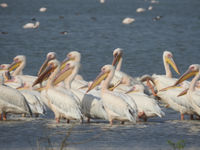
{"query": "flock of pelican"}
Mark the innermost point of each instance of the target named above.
(113, 95)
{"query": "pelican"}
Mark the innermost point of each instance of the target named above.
(3, 68)
(168, 96)
(128, 20)
(147, 107)
(118, 106)
(4, 5)
(33, 97)
(63, 104)
(17, 66)
(162, 81)
(139, 10)
(31, 25)
(75, 56)
(12, 101)
(91, 104)
(43, 9)
(119, 75)
(193, 93)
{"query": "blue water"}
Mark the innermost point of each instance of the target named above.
(95, 30)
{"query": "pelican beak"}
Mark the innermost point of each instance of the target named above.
(116, 59)
(45, 74)
(63, 64)
(44, 65)
(98, 80)
(83, 87)
(189, 73)
(183, 92)
(131, 90)
(170, 87)
(63, 74)
(112, 87)
(170, 61)
(40, 89)
(14, 65)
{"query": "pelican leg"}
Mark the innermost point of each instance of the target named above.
(111, 122)
(57, 120)
(122, 122)
(145, 119)
(88, 120)
(0, 116)
(151, 87)
(4, 116)
(191, 117)
(68, 121)
(182, 116)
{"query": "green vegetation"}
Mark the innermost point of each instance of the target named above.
(178, 145)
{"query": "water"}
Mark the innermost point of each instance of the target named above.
(95, 30)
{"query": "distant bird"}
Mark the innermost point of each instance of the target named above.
(154, 1)
(43, 9)
(4, 5)
(61, 17)
(139, 10)
(128, 20)
(102, 1)
(150, 7)
(157, 18)
(31, 25)
(64, 32)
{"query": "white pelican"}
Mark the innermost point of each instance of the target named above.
(31, 25)
(162, 81)
(140, 10)
(147, 107)
(119, 75)
(63, 104)
(12, 101)
(193, 93)
(33, 97)
(3, 68)
(168, 96)
(150, 7)
(19, 62)
(91, 104)
(128, 20)
(4, 5)
(118, 106)
(79, 81)
(43, 9)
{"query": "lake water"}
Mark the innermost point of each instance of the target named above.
(95, 30)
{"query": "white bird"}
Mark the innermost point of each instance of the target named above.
(3, 68)
(17, 66)
(193, 93)
(140, 10)
(62, 103)
(4, 5)
(128, 20)
(12, 101)
(43, 9)
(162, 81)
(91, 104)
(118, 106)
(31, 25)
(147, 107)
(150, 7)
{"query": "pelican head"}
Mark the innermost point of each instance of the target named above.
(168, 58)
(117, 54)
(51, 66)
(50, 56)
(105, 70)
(192, 71)
(17, 61)
(73, 55)
(65, 72)
(136, 88)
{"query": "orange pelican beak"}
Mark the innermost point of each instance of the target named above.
(14, 65)
(170, 61)
(98, 80)
(63, 74)
(183, 92)
(45, 74)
